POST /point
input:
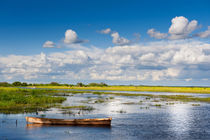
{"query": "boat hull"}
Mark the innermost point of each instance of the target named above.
(101, 121)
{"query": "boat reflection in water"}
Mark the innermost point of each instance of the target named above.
(31, 126)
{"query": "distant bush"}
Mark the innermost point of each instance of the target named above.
(54, 84)
(17, 83)
(80, 84)
(97, 84)
(5, 84)
(24, 84)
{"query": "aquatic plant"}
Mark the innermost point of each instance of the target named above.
(195, 104)
(88, 108)
(121, 111)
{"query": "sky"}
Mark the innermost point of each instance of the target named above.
(121, 42)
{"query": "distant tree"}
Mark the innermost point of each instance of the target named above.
(97, 84)
(24, 84)
(103, 84)
(71, 85)
(54, 84)
(17, 83)
(80, 84)
(5, 84)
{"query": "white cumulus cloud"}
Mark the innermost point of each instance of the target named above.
(181, 27)
(156, 34)
(116, 39)
(205, 34)
(49, 44)
(72, 38)
(105, 31)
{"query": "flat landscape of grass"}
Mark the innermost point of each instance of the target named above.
(137, 88)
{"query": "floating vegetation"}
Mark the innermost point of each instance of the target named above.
(98, 93)
(87, 108)
(42, 115)
(86, 101)
(157, 105)
(99, 101)
(195, 104)
(111, 97)
(121, 111)
(146, 107)
(72, 107)
(156, 100)
(69, 112)
(170, 103)
(130, 103)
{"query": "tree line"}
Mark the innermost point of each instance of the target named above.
(24, 84)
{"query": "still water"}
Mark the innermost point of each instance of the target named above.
(133, 118)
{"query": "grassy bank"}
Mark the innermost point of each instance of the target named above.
(138, 88)
(14, 100)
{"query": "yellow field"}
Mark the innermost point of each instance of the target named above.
(138, 88)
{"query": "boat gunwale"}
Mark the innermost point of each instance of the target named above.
(98, 121)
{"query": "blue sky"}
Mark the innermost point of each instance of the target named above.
(26, 25)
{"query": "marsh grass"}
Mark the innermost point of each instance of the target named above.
(69, 112)
(195, 104)
(158, 105)
(146, 107)
(13, 100)
(170, 103)
(88, 108)
(72, 107)
(121, 111)
(138, 88)
(100, 100)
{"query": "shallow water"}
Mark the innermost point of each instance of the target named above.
(133, 118)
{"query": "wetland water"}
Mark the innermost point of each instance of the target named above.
(133, 118)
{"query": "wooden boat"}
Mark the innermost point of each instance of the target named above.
(98, 121)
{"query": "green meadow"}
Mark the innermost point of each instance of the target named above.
(14, 100)
(136, 88)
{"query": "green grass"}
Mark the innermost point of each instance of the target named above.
(138, 88)
(14, 100)
(83, 108)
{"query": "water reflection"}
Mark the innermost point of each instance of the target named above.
(180, 118)
(35, 126)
